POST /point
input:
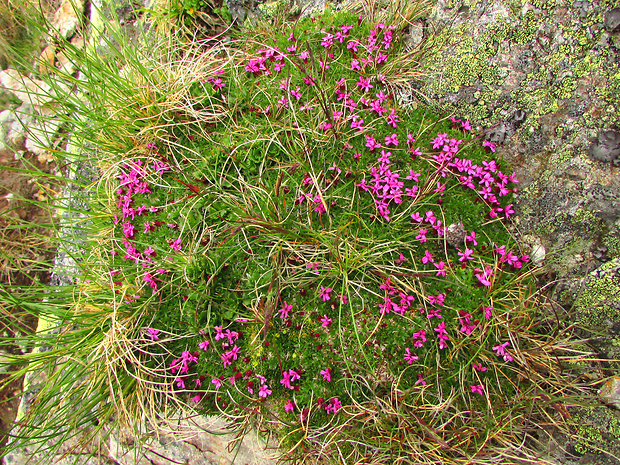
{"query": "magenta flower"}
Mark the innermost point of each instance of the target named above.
(371, 143)
(472, 238)
(420, 380)
(153, 334)
(422, 236)
(217, 382)
(477, 389)
(428, 257)
(203, 345)
(501, 351)
(333, 406)
(284, 311)
(419, 339)
(364, 84)
(441, 269)
(264, 391)
(325, 293)
(327, 376)
(176, 245)
(487, 312)
(409, 357)
(417, 217)
(391, 140)
(196, 398)
(479, 367)
(289, 406)
(489, 146)
(466, 255)
(128, 229)
(392, 119)
(325, 321)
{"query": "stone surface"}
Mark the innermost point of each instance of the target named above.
(606, 147)
(610, 392)
(68, 17)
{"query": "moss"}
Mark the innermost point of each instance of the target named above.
(598, 430)
(595, 305)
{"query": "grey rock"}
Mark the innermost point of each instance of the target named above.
(610, 392)
(518, 118)
(455, 234)
(606, 147)
(583, 8)
(612, 20)
(498, 134)
(237, 10)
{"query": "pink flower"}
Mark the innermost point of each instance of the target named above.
(417, 217)
(501, 351)
(196, 398)
(217, 382)
(487, 312)
(325, 292)
(472, 238)
(325, 321)
(489, 146)
(440, 269)
(400, 259)
(420, 380)
(153, 334)
(128, 229)
(364, 84)
(477, 389)
(264, 391)
(479, 367)
(466, 255)
(284, 311)
(428, 257)
(334, 405)
(391, 140)
(327, 376)
(176, 245)
(409, 357)
(289, 406)
(371, 143)
(422, 236)
(392, 119)
(203, 345)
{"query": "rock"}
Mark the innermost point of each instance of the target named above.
(18, 122)
(612, 20)
(455, 234)
(606, 147)
(415, 35)
(46, 59)
(67, 18)
(518, 118)
(610, 392)
(498, 134)
(33, 91)
(41, 135)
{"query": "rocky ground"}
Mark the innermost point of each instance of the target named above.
(541, 79)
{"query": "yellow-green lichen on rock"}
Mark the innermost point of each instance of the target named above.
(597, 430)
(599, 302)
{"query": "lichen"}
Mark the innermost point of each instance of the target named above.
(599, 300)
(613, 246)
(597, 430)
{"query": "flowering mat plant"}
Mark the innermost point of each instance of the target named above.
(300, 251)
